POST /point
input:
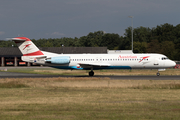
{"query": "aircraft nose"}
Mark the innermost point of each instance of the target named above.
(170, 63)
(173, 63)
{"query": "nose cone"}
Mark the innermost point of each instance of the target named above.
(173, 64)
(170, 63)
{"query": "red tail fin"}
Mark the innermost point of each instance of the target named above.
(27, 47)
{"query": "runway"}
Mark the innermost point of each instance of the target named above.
(114, 77)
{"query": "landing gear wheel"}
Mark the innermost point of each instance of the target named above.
(158, 74)
(91, 73)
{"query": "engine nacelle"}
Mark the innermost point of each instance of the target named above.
(59, 60)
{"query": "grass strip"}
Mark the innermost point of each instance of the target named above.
(89, 98)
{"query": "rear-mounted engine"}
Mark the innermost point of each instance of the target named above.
(59, 60)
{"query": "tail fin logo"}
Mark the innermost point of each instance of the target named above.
(26, 46)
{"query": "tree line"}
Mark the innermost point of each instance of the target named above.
(164, 39)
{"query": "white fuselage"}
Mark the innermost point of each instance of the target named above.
(108, 61)
(91, 61)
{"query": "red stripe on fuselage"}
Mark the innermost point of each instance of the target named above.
(34, 53)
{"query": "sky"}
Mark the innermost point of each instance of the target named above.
(37, 19)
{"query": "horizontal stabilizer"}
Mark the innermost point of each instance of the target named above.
(41, 57)
(19, 39)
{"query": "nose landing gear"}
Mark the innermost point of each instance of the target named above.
(158, 74)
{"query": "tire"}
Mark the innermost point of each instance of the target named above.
(91, 73)
(158, 74)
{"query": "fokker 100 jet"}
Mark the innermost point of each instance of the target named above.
(91, 61)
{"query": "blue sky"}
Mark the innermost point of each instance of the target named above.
(75, 18)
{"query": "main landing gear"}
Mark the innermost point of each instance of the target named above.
(91, 73)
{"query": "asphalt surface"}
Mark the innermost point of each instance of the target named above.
(27, 75)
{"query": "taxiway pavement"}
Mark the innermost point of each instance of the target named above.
(117, 77)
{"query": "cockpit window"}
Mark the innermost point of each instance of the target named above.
(165, 58)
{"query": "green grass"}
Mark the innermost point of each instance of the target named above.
(89, 98)
(101, 103)
(12, 84)
(163, 86)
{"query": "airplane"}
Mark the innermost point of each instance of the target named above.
(91, 62)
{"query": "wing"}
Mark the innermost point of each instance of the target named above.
(89, 65)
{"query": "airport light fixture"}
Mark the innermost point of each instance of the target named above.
(132, 30)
